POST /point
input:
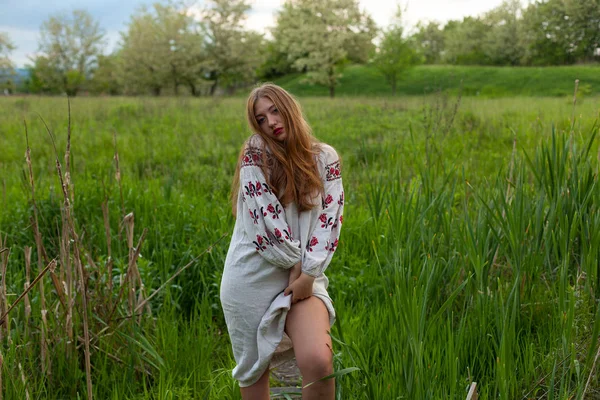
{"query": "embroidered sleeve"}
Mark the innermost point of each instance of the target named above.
(264, 216)
(324, 239)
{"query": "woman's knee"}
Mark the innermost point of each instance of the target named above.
(315, 363)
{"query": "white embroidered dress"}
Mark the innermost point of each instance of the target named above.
(269, 239)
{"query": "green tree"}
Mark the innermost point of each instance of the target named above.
(234, 53)
(69, 47)
(7, 69)
(429, 41)
(186, 54)
(44, 77)
(548, 36)
(317, 35)
(162, 47)
(359, 46)
(584, 18)
(142, 66)
(276, 62)
(106, 77)
(503, 41)
(395, 54)
(463, 42)
(561, 31)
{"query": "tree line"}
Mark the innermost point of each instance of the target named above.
(172, 48)
(548, 32)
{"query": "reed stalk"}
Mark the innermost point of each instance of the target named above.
(4, 324)
(45, 361)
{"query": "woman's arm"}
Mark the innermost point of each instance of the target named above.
(263, 215)
(324, 239)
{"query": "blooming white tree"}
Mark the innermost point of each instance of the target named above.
(317, 36)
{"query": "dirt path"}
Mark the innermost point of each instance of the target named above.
(286, 379)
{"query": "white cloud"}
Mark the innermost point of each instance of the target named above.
(112, 39)
(261, 20)
(443, 11)
(266, 5)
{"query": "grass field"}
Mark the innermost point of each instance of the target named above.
(486, 82)
(469, 251)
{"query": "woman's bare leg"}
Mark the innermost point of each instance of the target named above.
(258, 391)
(307, 324)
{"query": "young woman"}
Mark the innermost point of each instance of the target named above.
(288, 199)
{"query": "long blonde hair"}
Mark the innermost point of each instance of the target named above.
(292, 165)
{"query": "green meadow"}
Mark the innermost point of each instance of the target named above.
(469, 251)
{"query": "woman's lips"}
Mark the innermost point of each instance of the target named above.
(277, 131)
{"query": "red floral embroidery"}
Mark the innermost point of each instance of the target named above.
(288, 233)
(274, 210)
(266, 188)
(341, 219)
(259, 243)
(252, 157)
(327, 201)
(325, 222)
(333, 171)
(271, 238)
(254, 216)
(253, 190)
(335, 224)
(278, 236)
(331, 246)
(313, 242)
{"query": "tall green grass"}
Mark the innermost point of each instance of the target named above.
(463, 259)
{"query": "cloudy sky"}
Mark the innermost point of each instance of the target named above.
(21, 19)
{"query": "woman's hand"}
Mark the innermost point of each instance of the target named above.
(301, 288)
(295, 272)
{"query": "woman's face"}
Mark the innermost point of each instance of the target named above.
(269, 119)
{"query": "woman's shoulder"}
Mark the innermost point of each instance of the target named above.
(327, 153)
(329, 162)
(255, 141)
(254, 152)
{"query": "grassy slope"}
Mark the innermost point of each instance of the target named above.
(482, 81)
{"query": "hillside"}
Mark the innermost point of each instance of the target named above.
(476, 81)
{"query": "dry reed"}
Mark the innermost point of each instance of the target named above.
(1, 365)
(40, 251)
(26, 289)
(24, 381)
(4, 327)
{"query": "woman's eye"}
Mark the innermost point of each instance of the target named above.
(275, 110)
(260, 120)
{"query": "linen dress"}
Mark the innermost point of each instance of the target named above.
(269, 239)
